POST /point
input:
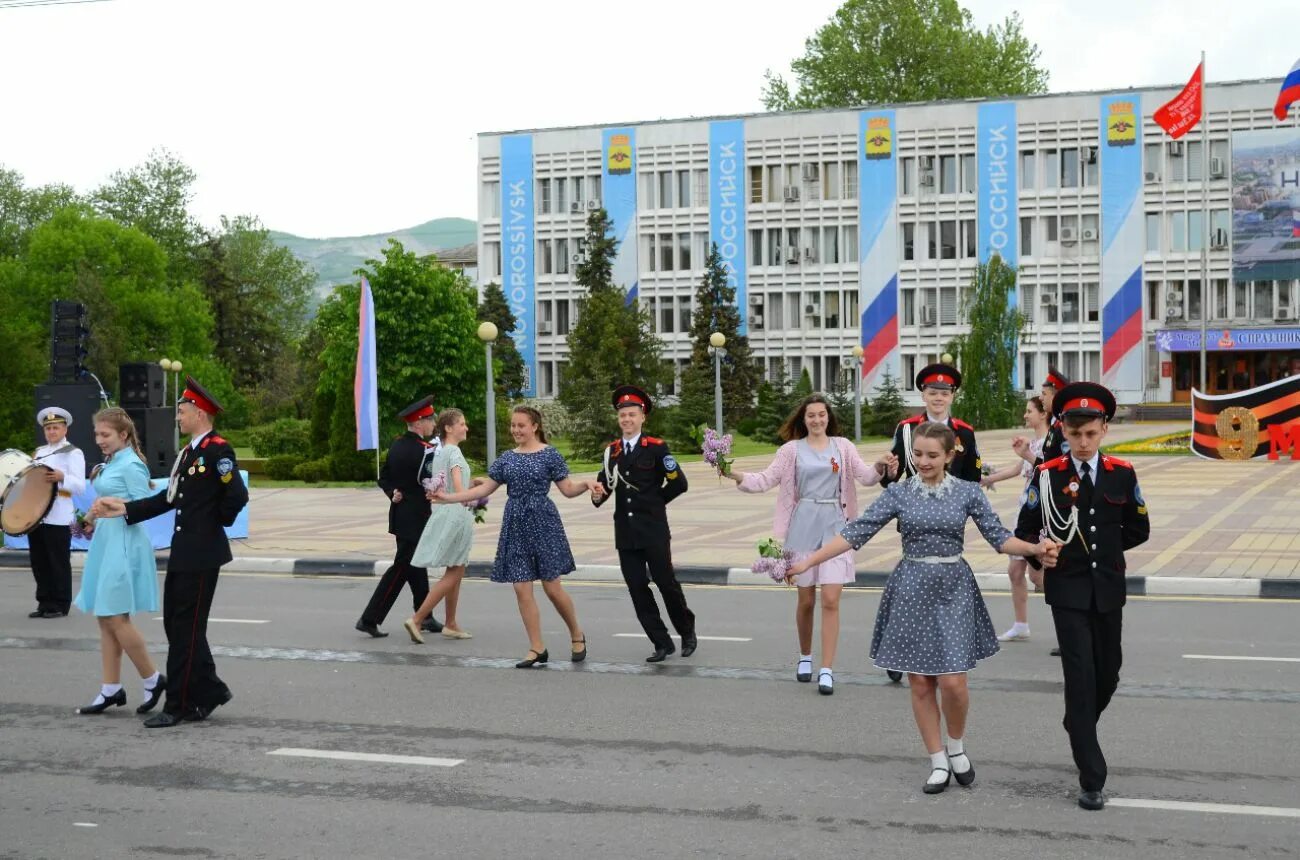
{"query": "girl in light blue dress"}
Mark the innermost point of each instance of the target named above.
(120, 577)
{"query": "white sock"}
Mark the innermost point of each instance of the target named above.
(1020, 627)
(826, 677)
(805, 658)
(938, 767)
(957, 755)
(151, 681)
(106, 692)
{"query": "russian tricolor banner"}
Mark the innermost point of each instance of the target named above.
(1290, 93)
(365, 388)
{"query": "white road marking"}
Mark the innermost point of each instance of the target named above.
(382, 758)
(701, 638)
(83, 824)
(232, 620)
(1241, 658)
(1224, 808)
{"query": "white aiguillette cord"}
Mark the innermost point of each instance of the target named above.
(1059, 528)
(909, 465)
(613, 477)
(171, 481)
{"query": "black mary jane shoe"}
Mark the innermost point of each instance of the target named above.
(539, 657)
(800, 675)
(896, 677)
(155, 695)
(825, 687)
(938, 787)
(118, 699)
(575, 655)
(965, 778)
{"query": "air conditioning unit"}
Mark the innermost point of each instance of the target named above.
(1216, 167)
(927, 315)
(544, 327)
(792, 255)
(1047, 299)
(1089, 234)
(1068, 236)
(756, 300)
(1176, 149)
(1151, 177)
(1174, 298)
(792, 195)
(575, 206)
(927, 180)
(1219, 239)
(1173, 313)
(756, 320)
(811, 173)
(578, 258)
(809, 310)
(593, 205)
(810, 255)
(927, 162)
(1283, 312)
(1088, 155)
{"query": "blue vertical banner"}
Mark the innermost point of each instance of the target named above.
(618, 185)
(997, 225)
(727, 206)
(878, 241)
(518, 233)
(1123, 246)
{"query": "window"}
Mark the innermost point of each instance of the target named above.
(1091, 176)
(562, 256)
(579, 189)
(831, 245)
(947, 305)
(756, 247)
(544, 196)
(1263, 300)
(931, 240)
(684, 253)
(850, 180)
(666, 315)
(1028, 161)
(561, 195)
(1195, 230)
(665, 252)
(831, 308)
(1219, 150)
(1027, 375)
(774, 246)
(1049, 227)
(1176, 164)
(562, 317)
(593, 183)
(1194, 299)
(492, 251)
(1070, 168)
(1090, 305)
(1220, 310)
(491, 204)
(909, 176)
(1195, 164)
(1239, 310)
(1089, 228)
(547, 260)
(701, 198)
(909, 241)
(648, 253)
(812, 244)
(850, 243)
(1151, 158)
(1049, 304)
(1177, 231)
(665, 189)
(775, 308)
(947, 174)
(851, 309)
(1153, 232)
(832, 181)
(1026, 237)
(1153, 300)
(909, 373)
(755, 184)
(1220, 228)
(774, 183)
(969, 176)
(1026, 296)
(1092, 364)
(684, 315)
(968, 251)
(684, 189)
(647, 198)
(1069, 303)
(1051, 168)
(909, 307)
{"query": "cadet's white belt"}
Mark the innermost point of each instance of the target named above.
(933, 559)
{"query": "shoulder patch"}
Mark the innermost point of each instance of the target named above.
(670, 464)
(915, 419)
(225, 465)
(1031, 497)
(959, 424)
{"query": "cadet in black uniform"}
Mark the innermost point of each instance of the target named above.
(1091, 503)
(207, 493)
(937, 384)
(1054, 444)
(643, 478)
(401, 478)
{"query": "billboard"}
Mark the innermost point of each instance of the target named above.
(1266, 205)
(1262, 422)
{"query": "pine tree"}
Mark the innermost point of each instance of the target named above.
(887, 407)
(986, 355)
(775, 400)
(842, 402)
(508, 364)
(611, 344)
(715, 310)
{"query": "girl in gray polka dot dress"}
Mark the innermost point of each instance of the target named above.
(932, 622)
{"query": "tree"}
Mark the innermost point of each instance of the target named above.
(425, 344)
(154, 197)
(986, 354)
(508, 368)
(611, 344)
(887, 407)
(258, 292)
(775, 401)
(22, 209)
(841, 396)
(715, 310)
(894, 51)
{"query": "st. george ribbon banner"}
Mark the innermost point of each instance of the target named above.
(1259, 422)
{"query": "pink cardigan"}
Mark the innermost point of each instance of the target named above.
(782, 473)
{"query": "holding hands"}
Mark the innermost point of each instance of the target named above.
(887, 465)
(1048, 552)
(598, 491)
(108, 506)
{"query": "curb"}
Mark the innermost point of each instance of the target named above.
(1138, 586)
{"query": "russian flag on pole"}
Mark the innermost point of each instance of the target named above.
(365, 389)
(1290, 93)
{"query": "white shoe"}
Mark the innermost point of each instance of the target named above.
(1015, 634)
(452, 633)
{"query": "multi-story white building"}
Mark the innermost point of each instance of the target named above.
(846, 227)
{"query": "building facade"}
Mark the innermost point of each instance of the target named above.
(848, 227)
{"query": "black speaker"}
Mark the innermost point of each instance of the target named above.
(81, 399)
(141, 385)
(156, 429)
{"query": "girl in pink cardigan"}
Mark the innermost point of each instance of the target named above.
(816, 473)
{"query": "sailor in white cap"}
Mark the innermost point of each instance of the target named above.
(50, 543)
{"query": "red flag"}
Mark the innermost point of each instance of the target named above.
(1183, 112)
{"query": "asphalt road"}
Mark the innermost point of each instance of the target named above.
(720, 755)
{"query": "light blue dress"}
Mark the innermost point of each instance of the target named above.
(121, 575)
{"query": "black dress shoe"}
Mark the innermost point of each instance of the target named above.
(54, 613)
(431, 625)
(118, 699)
(36, 613)
(224, 698)
(660, 654)
(154, 695)
(689, 646)
(373, 629)
(1091, 800)
(1055, 652)
(163, 720)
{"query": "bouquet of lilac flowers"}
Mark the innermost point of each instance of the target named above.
(478, 508)
(773, 559)
(715, 448)
(434, 484)
(78, 526)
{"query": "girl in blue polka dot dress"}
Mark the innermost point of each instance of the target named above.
(532, 544)
(932, 622)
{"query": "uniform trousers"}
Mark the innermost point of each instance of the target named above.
(192, 682)
(390, 584)
(1090, 661)
(639, 567)
(50, 548)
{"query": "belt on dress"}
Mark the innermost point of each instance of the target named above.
(933, 559)
(822, 501)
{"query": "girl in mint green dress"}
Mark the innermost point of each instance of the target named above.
(449, 533)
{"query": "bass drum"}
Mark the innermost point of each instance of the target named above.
(25, 496)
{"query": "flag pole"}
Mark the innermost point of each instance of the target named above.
(1205, 218)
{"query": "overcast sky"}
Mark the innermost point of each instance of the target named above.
(340, 118)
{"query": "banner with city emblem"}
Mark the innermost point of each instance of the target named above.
(1262, 422)
(1123, 245)
(618, 186)
(1266, 205)
(878, 239)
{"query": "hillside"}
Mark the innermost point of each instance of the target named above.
(335, 260)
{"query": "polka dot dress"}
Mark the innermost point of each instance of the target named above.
(532, 544)
(932, 618)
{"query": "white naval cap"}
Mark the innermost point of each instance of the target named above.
(53, 415)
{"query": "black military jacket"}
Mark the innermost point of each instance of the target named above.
(966, 463)
(647, 480)
(404, 469)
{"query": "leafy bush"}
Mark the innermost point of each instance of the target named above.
(281, 467)
(313, 471)
(555, 418)
(284, 436)
(351, 466)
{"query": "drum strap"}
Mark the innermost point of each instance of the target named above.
(62, 449)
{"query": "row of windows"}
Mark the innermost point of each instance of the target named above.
(803, 246)
(1176, 300)
(1181, 231)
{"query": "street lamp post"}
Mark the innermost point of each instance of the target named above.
(487, 332)
(175, 368)
(717, 341)
(857, 393)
